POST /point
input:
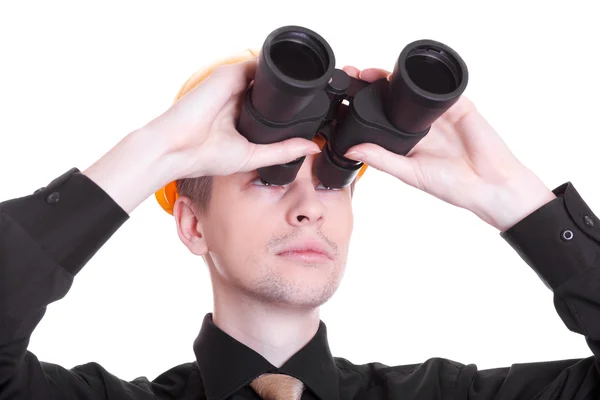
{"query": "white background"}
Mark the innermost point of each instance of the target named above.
(424, 278)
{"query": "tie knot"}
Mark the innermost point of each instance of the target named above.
(278, 387)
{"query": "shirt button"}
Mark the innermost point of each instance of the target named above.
(566, 235)
(588, 221)
(53, 198)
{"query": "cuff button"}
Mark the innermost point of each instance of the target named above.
(53, 198)
(588, 221)
(566, 235)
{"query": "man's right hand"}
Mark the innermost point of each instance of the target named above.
(200, 128)
(195, 137)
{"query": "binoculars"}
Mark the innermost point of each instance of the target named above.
(298, 92)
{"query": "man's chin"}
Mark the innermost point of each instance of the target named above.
(308, 300)
(296, 292)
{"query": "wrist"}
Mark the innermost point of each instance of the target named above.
(135, 168)
(507, 205)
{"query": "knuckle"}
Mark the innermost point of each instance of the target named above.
(222, 71)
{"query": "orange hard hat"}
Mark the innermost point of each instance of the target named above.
(167, 195)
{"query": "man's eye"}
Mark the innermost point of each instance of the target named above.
(260, 182)
(321, 186)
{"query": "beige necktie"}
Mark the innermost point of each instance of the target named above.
(278, 387)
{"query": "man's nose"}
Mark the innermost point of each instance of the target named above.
(305, 205)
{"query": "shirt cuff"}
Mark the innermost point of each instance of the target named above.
(560, 240)
(70, 218)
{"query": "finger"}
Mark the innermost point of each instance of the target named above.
(240, 74)
(225, 82)
(255, 51)
(229, 79)
(280, 153)
(373, 74)
(462, 107)
(379, 158)
(351, 71)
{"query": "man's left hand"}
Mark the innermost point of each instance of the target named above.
(462, 161)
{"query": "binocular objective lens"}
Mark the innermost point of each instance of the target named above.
(428, 78)
(298, 60)
(433, 71)
(294, 66)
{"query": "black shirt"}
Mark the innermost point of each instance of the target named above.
(47, 237)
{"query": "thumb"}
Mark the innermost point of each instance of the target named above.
(375, 156)
(282, 152)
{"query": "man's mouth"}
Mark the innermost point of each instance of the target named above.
(307, 250)
(305, 256)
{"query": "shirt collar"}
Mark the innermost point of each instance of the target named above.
(226, 364)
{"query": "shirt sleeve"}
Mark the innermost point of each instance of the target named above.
(46, 238)
(561, 242)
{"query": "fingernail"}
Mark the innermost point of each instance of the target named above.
(313, 151)
(355, 155)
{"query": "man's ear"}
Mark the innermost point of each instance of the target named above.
(189, 226)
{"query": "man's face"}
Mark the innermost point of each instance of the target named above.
(251, 228)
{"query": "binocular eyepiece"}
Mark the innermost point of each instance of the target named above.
(298, 92)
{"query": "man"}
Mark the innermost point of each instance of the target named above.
(275, 254)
